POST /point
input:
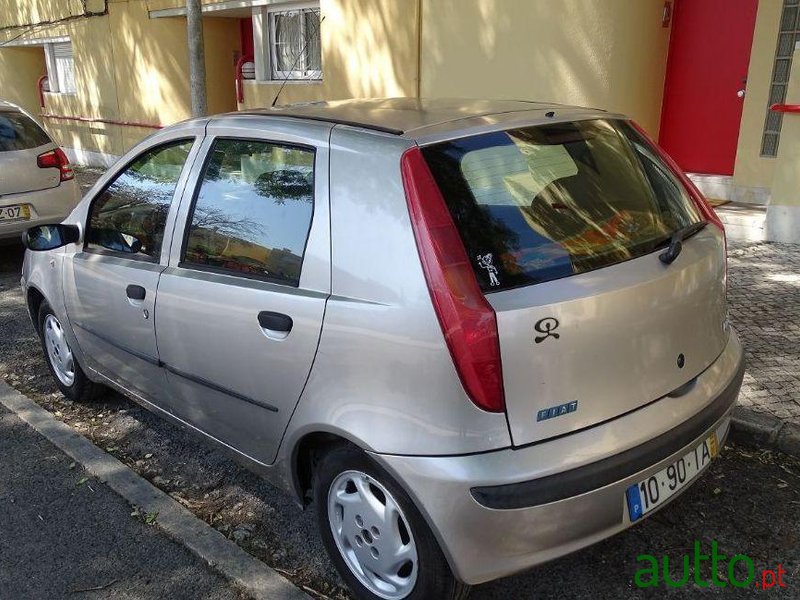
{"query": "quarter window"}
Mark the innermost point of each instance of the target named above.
(253, 211)
(130, 214)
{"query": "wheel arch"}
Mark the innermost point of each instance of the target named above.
(34, 299)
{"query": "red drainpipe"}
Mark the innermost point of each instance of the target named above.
(109, 121)
(785, 108)
(40, 87)
(239, 77)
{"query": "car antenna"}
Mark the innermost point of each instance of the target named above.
(294, 64)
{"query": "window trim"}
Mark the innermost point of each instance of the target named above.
(272, 73)
(53, 70)
(198, 184)
(766, 131)
(103, 251)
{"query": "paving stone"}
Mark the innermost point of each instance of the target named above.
(764, 304)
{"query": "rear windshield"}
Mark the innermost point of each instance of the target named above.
(19, 132)
(541, 203)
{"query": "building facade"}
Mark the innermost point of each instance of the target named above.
(700, 75)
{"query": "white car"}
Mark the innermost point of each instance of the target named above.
(37, 184)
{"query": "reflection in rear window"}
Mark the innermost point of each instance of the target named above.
(541, 203)
(19, 132)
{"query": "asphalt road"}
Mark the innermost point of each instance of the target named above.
(63, 534)
(748, 502)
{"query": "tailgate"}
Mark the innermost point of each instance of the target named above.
(579, 351)
(21, 142)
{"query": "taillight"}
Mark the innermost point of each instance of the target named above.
(467, 320)
(56, 159)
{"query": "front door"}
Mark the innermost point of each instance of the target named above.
(705, 84)
(240, 306)
(110, 284)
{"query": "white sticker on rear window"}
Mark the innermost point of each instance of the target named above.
(486, 261)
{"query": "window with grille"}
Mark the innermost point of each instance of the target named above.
(295, 44)
(788, 36)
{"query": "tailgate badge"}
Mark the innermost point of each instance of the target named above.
(557, 411)
(547, 326)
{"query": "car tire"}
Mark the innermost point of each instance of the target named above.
(346, 486)
(62, 363)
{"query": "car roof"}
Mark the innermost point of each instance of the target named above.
(415, 117)
(5, 105)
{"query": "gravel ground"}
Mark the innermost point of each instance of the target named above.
(748, 501)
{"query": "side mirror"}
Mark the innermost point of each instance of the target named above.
(50, 237)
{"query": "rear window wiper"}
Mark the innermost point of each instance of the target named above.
(676, 241)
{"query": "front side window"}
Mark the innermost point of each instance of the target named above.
(295, 44)
(540, 203)
(129, 216)
(19, 132)
(253, 211)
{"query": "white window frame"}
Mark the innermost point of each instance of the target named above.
(59, 79)
(265, 37)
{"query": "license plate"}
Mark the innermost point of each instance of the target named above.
(649, 494)
(15, 212)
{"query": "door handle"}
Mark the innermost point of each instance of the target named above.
(135, 292)
(275, 325)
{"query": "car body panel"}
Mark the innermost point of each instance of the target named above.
(379, 321)
(613, 325)
(207, 324)
(50, 205)
(483, 543)
(116, 332)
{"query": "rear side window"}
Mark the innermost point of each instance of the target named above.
(129, 216)
(19, 132)
(253, 210)
(540, 203)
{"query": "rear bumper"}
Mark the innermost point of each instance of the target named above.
(47, 206)
(498, 513)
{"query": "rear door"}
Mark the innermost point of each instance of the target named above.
(564, 224)
(21, 142)
(110, 284)
(240, 307)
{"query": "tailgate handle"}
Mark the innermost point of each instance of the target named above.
(274, 321)
(135, 292)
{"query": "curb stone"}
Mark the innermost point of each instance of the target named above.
(232, 562)
(766, 431)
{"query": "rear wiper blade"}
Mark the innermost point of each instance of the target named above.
(676, 241)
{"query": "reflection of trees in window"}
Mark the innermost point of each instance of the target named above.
(246, 186)
(285, 185)
(134, 207)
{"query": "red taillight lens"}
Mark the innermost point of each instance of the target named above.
(468, 321)
(56, 159)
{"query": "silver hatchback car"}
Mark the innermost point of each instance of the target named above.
(37, 184)
(476, 335)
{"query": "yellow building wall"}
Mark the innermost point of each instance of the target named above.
(128, 67)
(20, 69)
(609, 54)
(751, 169)
(369, 49)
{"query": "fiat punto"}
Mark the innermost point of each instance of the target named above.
(475, 336)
